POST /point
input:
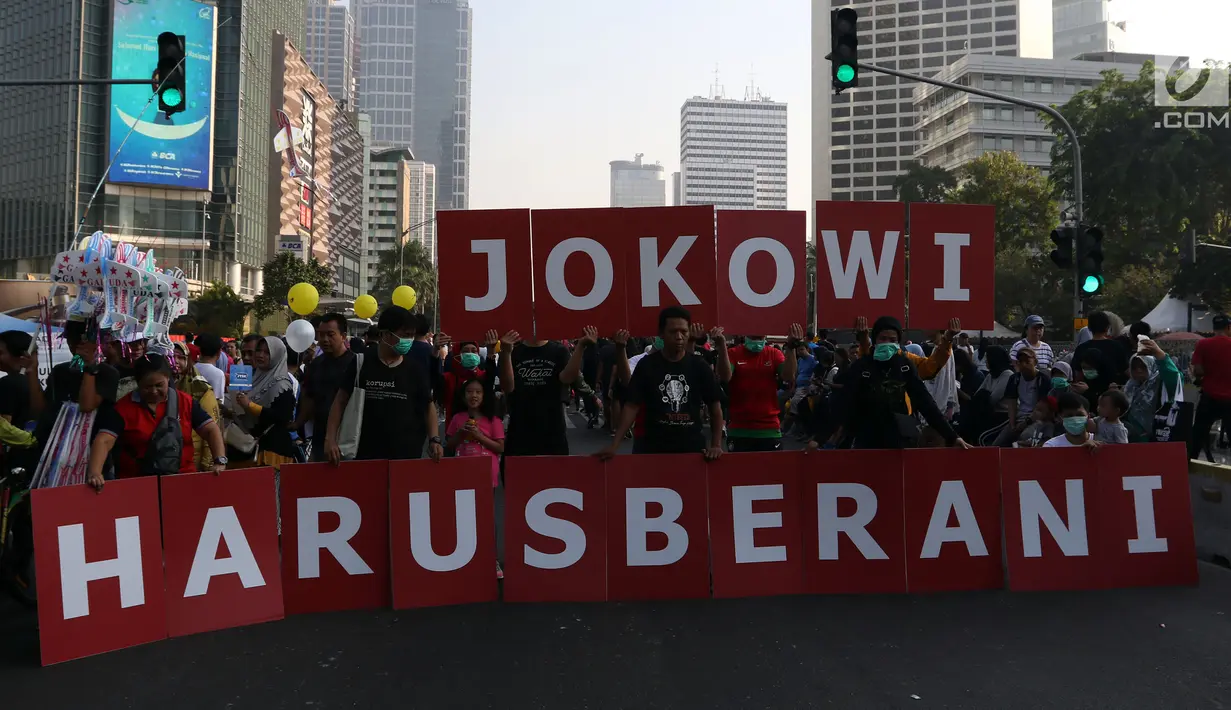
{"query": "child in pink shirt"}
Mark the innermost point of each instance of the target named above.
(475, 430)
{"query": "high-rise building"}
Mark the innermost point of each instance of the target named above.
(636, 184)
(319, 204)
(330, 37)
(401, 205)
(863, 138)
(365, 133)
(1083, 27)
(733, 153)
(677, 188)
(414, 80)
(956, 128)
(56, 148)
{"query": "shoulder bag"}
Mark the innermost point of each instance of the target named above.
(351, 425)
(163, 453)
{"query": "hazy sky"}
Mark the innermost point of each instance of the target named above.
(561, 88)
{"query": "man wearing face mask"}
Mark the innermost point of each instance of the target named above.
(883, 393)
(752, 372)
(398, 410)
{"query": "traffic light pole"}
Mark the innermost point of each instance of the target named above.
(72, 82)
(1078, 209)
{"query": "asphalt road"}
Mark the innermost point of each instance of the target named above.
(1144, 648)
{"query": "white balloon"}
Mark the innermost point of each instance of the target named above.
(300, 335)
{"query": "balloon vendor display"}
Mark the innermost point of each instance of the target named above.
(365, 306)
(300, 335)
(121, 295)
(405, 297)
(303, 298)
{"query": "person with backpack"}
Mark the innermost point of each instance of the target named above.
(883, 393)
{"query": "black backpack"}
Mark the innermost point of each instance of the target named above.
(164, 453)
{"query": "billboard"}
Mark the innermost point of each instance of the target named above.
(174, 152)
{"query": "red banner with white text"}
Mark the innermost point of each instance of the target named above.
(577, 529)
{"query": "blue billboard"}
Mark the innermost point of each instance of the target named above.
(174, 152)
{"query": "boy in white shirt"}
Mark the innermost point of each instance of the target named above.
(1075, 420)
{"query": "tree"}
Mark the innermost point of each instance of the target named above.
(923, 184)
(415, 269)
(284, 271)
(1027, 282)
(1145, 184)
(1206, 280)
(217, 310)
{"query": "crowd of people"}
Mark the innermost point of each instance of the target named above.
(402, 392)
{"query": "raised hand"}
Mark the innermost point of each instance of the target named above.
(719, 336)
(443, 340)
(490, 339)
(955, 327)
(621, 337)
(796, 333)
(696, 332)
(509, 339)
(589, 335)
(861, 324)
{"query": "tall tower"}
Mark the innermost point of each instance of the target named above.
(637, 184)
(414, 81)
(733, 153)
(329, 47)
(1084, 27)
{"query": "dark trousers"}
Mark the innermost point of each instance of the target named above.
(1209, 410)
(739, 444)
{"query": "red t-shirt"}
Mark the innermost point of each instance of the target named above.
(132, 424)
(1214, 356)
(754, 388)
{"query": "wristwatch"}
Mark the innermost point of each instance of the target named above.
(90, 369)
(221, 460)
(435, 440)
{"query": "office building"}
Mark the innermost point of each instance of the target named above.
(401, 205)
(863, 138)
(1084, 27)
(365, 133)
(317, 200)
(677, 186)
(56, 143)
(956, 128)
(330, 48)
(733, 153)
(637, 184)
(414, 81)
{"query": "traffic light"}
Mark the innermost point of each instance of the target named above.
(1063, 237)
(169, 78)
(1090, 260)
(844, 49)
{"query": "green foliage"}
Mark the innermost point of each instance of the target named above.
(1145, 184)
(923, 184)
(284, 271)
(217, 310)
(1208, 280)
(414, 269)
(1136, 289)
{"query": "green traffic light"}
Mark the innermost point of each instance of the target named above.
(846, 72)
(172, 97)
(1091, 284)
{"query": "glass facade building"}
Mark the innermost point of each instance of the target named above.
(330, 35)
(414, 81)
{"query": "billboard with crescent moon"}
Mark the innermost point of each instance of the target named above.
(148, 147)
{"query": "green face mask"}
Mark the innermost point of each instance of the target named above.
(658, 343)
(470, 360)
(1090, 374)
(1075, 426)
(754, 346)
(884, 351)
(403, 345)
(1059, 383)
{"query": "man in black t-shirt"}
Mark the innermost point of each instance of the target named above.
(398, 410)
(533, 377)
(673, 386)
(323, 378)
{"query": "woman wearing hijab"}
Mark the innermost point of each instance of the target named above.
(1153, 376)
(151, 428)
(266, 410)
(187, 380)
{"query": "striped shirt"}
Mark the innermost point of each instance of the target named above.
(1042, 353)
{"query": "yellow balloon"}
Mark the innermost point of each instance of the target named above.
(365, 306)
(303, 298)
(405, 297)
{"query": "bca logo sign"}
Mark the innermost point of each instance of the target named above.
(1179, 86)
